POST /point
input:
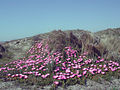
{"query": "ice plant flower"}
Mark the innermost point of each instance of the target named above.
(84, 73)
(56, 82)
(68, 70)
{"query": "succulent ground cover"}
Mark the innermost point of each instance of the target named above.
(42, 67)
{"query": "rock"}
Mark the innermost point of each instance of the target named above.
(5, 85)
(116, 82)
(2, 51)
(76, 87)
(90, 85)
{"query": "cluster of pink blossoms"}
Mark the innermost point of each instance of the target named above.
(81, 66)
(38, 57)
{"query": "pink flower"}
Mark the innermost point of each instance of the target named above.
(9, 74)
(84, 73)
(33, 68)
(102, 60)
(63, 64)
(92, 65)
(74, 61)
(13, 76)
(59, 61)
(106, 69)
(47, 74)
(118, 67)
(44, 69)
(21, 75)
(72, 76)
(79, 75)
(84, 56)
(67, 77)
(84, 69)
(102, 72)
(91, 71)
(68, 59)
(39, 74)
(109, 64)
(69, 65)
(0, 69)
(97, 61)
(113, 69)
(99, 70)
(80, 60)
(69, 62)
(100, 65)
(68, 70)
(76, 66)
(115, 63)
(25, 77)
(95, 66)
(43, 76)
(63, 77)
(56, 82)
(79, 67)
(54, 77)
(77, 72)
(67, 73)
(71, 72)
(72, 64)
(61, 73)
(63, 68)
(98, 56)
(17, 75)
(104, 66)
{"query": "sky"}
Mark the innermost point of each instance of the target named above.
(25, 18)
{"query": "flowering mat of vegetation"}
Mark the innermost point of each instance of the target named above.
(42, 67)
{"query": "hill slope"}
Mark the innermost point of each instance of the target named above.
(58, 59)
(104, 43)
